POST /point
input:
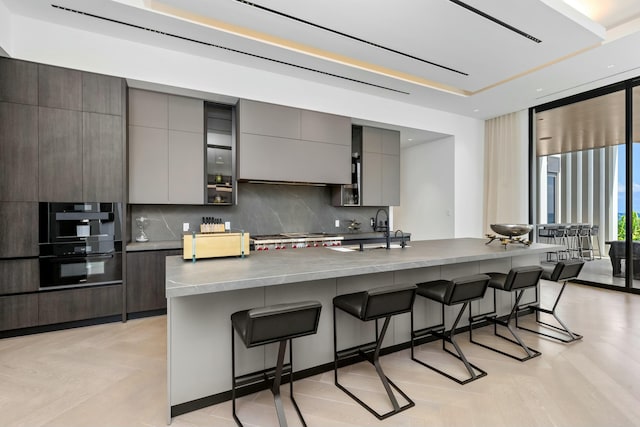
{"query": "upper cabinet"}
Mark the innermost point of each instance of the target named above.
(18, 81)
(278, 143)
(221, 165)
(80, 136)
(166, 148)
(18, 151)
(380, 167)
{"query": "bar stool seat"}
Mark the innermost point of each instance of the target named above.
(373, 304)
(461, 290)
(517, 280)
(265, 325)
(563, 271)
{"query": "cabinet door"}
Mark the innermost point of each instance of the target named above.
(101, 94)
(18, 229)
(186, 114)
(18, 81)
(79, 304)
(59, 87)
(186, 167)
(18, 152)
(281, 159)
(371, 139)
(148, 165)
(390, 180)
(371, 179)
(149, 109)
(380, 167)
(18, 311)
(323, 127)
(19, 276)
(390, 142)
(146, 280)
(260, 118)
(102, 158)
(60, 155)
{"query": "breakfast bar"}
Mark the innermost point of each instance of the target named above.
(202, 295)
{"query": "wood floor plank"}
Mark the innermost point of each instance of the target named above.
(115, 375)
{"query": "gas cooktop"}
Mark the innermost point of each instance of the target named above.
(294, 241)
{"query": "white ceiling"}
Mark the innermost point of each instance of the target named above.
(440, 54)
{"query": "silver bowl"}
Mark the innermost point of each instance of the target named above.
(512, 230)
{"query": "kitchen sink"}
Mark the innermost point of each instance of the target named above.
(365, 247)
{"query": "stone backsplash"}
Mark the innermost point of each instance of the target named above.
(261, 209)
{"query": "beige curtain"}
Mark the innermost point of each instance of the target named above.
(506, 170)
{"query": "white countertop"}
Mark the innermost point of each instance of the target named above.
(259, 269)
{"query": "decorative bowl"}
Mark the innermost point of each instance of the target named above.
(512, 230)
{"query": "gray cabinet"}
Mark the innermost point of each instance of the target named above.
(260, 118)
(380, 167)
(166, 148)
(148, 165)
(278, 143)
(324, 127)
(146, 280)
(186, 167)
(60, 155)
(18, 81)
(18, 229)
(18, 152)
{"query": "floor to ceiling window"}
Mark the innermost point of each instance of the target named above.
(581, 175)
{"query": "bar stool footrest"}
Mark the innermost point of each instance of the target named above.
(358, 349)
(430, 330)
(265, 375)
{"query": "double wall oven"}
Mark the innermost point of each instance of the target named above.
(80, 244)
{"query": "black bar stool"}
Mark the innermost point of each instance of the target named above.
(563, 271)
(265, 325)
(518, 280)
(461, 290)
(368, 305)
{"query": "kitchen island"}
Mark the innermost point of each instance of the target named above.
(202, 296)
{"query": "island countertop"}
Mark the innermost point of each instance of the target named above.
(184, 278)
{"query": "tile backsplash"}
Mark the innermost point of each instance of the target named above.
(261, 209)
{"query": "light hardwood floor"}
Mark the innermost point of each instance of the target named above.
(115, 375)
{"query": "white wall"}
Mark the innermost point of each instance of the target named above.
(5, 30)
(427, 190)
(57, 45)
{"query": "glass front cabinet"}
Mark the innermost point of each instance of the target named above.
(221, 166)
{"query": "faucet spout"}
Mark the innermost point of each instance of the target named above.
(385, 227)
(402, 242)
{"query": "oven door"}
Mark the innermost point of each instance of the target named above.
(80, 270)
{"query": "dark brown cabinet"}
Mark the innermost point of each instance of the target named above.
(18, 229)
(102, 94)
(18, 311)
(19, 276)
(146, 280)
(61, 140)
(79, 304)
(18, 81)
(18, 152)
(59, 87)
(102, 162)
(60, 155)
